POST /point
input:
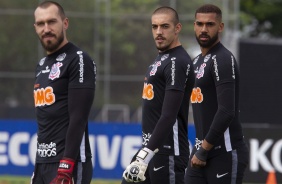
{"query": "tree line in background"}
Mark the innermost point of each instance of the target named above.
(117, 34)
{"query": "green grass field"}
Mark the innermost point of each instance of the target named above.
(4, 179)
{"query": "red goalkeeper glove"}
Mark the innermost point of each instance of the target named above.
(65, 169)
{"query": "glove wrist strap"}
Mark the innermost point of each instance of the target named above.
(145, 155)
(66, 165)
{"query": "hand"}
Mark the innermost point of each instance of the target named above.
(199, 158)
(135, 172)
(65, 169)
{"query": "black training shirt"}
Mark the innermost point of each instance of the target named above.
(166, 93)
(64, 81)
(215, 100)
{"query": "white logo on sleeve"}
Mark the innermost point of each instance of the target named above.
(221, 175)
(81, 66)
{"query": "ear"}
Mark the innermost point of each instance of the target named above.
(66, 23)
(178, 28)
(221, 27)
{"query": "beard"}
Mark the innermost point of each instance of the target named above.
(162, 48)
(52, 46)
(209, 42)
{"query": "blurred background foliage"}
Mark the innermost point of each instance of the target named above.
(117, 34)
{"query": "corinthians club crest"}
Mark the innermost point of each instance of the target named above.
(55, 71)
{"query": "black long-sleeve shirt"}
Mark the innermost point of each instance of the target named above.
(63, 94)
(167, 87)
(215, 99)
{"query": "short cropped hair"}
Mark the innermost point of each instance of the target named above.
(210, 8)
(168, 10)
(46, 4)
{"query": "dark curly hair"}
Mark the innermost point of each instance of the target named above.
(210, 8)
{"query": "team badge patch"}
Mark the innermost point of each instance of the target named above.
(55, 71)
(201, 71)
(155, 67)
(61, 57)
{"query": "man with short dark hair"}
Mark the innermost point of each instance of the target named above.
(167, 88)
(220, 154)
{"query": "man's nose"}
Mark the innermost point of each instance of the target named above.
(159, 30)
(46, 27)
(204, 28)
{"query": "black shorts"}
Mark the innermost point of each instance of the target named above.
(44, 173)
(165, 169)
(227, 168)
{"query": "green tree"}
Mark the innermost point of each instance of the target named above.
(116, 33)
(262, 17)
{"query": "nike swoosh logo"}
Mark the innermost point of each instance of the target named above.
(156, 169)
(221, 175)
